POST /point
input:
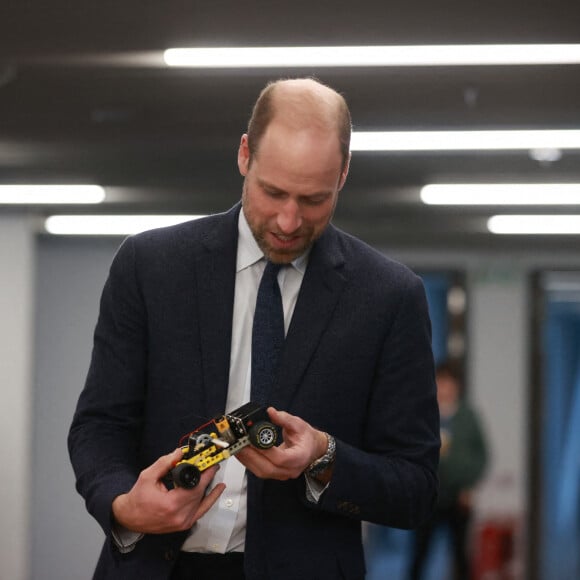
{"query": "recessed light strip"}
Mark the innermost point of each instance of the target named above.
(534, 224)
(110, 225)
(51, 194)
(361, 56)
(465, 140)
(501, 194)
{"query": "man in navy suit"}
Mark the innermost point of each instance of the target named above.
(354, 393)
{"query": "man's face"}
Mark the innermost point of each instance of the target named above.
(290, 188)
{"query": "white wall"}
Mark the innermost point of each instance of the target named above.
(70, 276)
(16, 363)
(498, 334)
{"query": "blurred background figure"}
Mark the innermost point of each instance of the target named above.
(463, 460)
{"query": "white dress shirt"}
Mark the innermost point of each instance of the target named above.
(223, 528)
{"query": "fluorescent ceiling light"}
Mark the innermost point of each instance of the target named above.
(360, 56)
(112, 225)
(501, 194)
(51, 194)
(534, 224)
(464, 140)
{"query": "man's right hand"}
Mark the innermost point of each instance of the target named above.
(150, 508)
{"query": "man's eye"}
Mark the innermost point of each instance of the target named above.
(315, 200)
(273, 194)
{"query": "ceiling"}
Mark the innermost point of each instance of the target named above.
(84, 97)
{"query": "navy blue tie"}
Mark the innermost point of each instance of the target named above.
(267, 334)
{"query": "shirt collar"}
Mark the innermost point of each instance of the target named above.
(249, 252)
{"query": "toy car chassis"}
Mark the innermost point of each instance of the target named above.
(220, 438)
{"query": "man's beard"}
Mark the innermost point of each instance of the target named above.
(259, 230)
(281, 255)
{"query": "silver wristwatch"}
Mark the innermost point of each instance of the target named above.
(322, 463)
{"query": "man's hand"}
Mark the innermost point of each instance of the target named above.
(302, 445)
(151, 508)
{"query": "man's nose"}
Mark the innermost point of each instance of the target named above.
(289, 217)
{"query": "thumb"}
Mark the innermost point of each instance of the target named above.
(280, 418)
(274, 415)
(163, 465)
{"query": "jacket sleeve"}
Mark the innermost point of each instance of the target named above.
(104, 436)
(391, 479)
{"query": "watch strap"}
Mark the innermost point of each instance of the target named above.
(322, 463)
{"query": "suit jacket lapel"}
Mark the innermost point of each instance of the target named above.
(321, 288)
(216, 271)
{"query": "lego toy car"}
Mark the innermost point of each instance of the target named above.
(221, 438)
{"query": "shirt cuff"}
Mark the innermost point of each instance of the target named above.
(125, 539)
(314, 489)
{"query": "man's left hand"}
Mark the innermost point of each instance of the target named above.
(301, 446)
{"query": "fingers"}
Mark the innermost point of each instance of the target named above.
(161, 467)
(269, 463)
(279, 418)
(192, 504)
(254, 460)
(149, 507)
(209, 500)
(302, 444)
(207, 476)
(288, 422)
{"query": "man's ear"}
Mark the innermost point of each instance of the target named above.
(344, 173)
(244, 155)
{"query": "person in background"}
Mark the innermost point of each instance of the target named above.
(462, 463)
(353, 390)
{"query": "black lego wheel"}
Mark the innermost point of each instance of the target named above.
(263, 435)
(185, 475)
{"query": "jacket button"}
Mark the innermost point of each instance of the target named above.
(169, 554)
(348, 507)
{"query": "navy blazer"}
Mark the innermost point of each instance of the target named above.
(357, 363)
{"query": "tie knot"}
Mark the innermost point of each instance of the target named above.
(272, 269)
